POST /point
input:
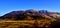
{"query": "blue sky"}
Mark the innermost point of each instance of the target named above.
(7, 6)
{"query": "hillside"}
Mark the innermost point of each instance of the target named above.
(30, 13)
(30, 19)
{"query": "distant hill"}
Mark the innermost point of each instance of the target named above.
(30, 13)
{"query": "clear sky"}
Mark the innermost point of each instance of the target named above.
(7, 6)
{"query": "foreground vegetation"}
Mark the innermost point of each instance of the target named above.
(25, 23)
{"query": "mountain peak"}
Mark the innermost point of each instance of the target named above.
(30, 11)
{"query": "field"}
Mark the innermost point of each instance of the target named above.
(24, 23)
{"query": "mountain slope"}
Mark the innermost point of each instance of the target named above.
(31, 14)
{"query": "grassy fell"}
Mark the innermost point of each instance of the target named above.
(23, 23)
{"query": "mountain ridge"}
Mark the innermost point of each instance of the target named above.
(29, 13)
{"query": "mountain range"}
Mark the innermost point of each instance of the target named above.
(31, 12)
